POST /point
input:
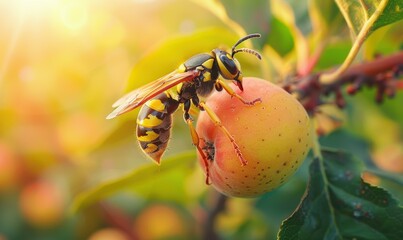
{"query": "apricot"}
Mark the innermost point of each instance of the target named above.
(273, 137)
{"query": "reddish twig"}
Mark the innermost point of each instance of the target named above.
(118, 219)
(208, 228)
(382, 73)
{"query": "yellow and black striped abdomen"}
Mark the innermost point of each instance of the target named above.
(154, 124)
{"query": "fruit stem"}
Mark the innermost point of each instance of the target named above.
(118, 219)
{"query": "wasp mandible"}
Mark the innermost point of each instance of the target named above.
(198, 76)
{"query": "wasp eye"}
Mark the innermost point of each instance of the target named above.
(238, 65)
(229, 63)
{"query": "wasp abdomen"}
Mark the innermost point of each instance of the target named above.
(154, 124)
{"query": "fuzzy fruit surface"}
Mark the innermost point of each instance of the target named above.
(273, 136)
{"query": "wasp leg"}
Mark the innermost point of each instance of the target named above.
(196, 140)
(231, 92)
(216, 120)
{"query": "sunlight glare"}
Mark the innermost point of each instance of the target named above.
(36, 7)
(74, 15)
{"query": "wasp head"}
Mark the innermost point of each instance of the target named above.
(229, 66)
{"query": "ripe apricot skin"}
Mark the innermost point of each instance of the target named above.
(273, 136)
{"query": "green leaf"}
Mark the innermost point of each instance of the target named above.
(302, 20)
(281, 39)
(339, 205)
(342, 139)
(363, 17)
(253, 16)
(333, 54)
(134, 179)
(325, 16)
(358, 12)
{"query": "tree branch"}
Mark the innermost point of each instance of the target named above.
(208, 228)
(383, 73)
(328, 78)
(118, 219)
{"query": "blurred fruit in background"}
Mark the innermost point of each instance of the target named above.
(108, 234)
(9, 169)
(42, 204)
(160, 221)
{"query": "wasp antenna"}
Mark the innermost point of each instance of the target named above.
(248, 50)
(253, 35)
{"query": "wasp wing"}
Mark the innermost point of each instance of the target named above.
(141, 95)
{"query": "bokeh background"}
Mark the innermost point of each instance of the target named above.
(62, 65)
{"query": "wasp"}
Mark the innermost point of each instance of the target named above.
(197, 77)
